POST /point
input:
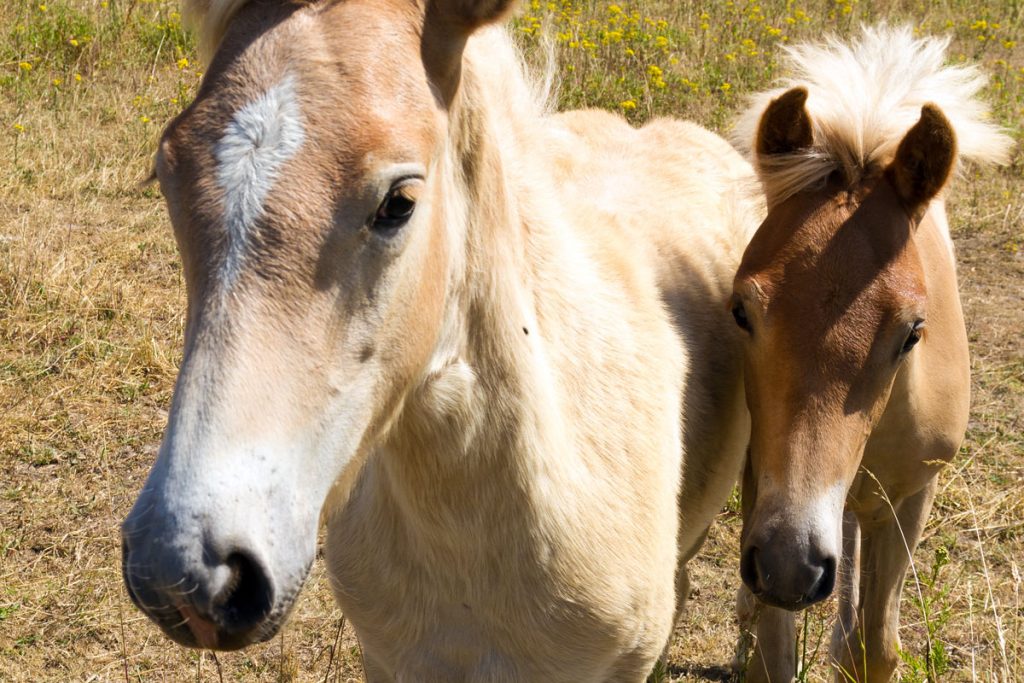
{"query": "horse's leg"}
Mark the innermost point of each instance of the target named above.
(374, 672)
(771, 656)
(683, 576)
(871, 651)
(848, 593)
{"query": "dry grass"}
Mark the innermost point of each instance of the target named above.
(91, 303)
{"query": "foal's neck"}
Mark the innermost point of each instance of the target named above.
(485, 424)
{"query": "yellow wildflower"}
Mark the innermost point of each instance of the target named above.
(42, 8)
(19, 129)
(144, 119)
(56, 82)
(25, 66)
(78, 78)
(628, 105)
(1009, 44)
(614, 9)
(73, 42)
(183, 63)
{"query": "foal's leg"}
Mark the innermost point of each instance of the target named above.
(871, 651)
(374, 672)
(848, 592)
(773, 655)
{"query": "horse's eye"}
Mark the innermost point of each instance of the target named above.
(913, 337)
(739, 314)
(397, 207)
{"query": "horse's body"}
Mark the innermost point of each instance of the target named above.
(852, 418)
(459, 330)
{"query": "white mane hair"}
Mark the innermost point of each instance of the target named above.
(863, 97)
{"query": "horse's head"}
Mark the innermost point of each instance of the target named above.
(831, 293)
(319, 249)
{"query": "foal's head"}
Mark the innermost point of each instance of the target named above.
(304, 189)
(831, 293)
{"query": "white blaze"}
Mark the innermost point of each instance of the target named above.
(261, 137)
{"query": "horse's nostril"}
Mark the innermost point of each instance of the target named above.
(749, 570)
(247, 598)
(822, 588)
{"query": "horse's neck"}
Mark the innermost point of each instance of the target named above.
(481, 430)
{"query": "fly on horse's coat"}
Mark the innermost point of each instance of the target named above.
(856, 373)
(459, 329)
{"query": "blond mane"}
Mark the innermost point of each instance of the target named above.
(862, 99)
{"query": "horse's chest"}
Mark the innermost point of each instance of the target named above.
(417, 635)
(454, 618)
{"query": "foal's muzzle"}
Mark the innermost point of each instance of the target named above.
(224, 603)
(783, 578)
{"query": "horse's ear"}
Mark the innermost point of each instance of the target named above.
(471, 14)
(924, 159)
(447, 25)
(785, 126)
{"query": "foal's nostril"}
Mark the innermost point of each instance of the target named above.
(749, 570)
(247, 598)
(822, 588)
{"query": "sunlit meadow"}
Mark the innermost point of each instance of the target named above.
(91, 316)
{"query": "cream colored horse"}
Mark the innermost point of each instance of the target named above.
(460, 330)
(857, 373)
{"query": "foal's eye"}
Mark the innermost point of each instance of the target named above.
(739, 314)
(913, 337)
(397, 207)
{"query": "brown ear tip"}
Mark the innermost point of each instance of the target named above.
(934, 122)
(931, 112)
(796, 96)
(477, 13)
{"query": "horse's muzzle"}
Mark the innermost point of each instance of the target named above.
(224, 605)
(782, 576)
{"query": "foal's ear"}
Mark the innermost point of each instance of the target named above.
(785, 126)
(471, 14)
(447, 25)
(924, 159)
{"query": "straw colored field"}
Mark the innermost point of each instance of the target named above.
(91, 310)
